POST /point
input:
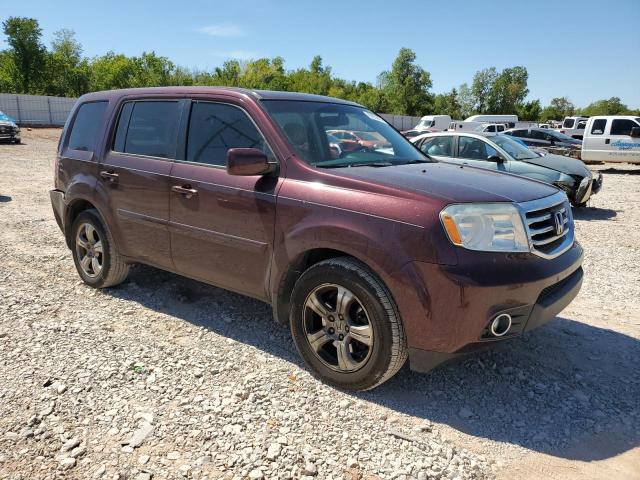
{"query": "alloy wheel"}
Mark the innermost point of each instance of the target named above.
(89, 250)
(338, 328)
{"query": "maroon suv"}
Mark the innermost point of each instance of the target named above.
(371, 257)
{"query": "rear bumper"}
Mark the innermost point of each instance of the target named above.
(57, 202)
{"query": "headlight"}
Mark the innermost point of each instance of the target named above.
(490, 227)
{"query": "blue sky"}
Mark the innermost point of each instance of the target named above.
(585, 50)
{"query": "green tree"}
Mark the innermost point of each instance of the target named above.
(482, 89)
(529, 111)
(557, 109)
(26, 52)
(407, 86)
(467, 102)
(67, 71)
(508, 90)
(264, 74)
(447, 104)
(611, 106)
(112, 71)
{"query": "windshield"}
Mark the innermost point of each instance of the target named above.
(426, 123)
(513, 148)
(564, 137)
(307, 127)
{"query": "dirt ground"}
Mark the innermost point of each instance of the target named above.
(224, 395)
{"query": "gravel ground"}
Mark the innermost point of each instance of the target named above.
(164, 377)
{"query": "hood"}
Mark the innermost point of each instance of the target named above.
(568, 165)
(453, 183)
(7, 122)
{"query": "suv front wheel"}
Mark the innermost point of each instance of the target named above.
(94, 252)
(346, 325)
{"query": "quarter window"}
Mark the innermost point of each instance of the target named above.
(148, 128)
(86, 126)
(598, 126)
(214, 128)
(622, 127)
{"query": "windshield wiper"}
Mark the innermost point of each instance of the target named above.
(419, 160)
(363, 164)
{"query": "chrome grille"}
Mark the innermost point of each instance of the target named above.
(549, 225)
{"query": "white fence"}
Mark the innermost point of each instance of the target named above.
(401, 122)
(47, 111)
(36, 109)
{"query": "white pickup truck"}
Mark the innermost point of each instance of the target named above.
(573, 126)
(612, 139)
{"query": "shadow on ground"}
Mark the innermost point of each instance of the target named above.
(592, 213)
(567, 389)
(620, 171)
(5, 198)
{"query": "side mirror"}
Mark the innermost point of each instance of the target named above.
(248, 162)
(495, 158)
(635, 132)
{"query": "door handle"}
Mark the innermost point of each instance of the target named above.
(109, 175)
(184, 190)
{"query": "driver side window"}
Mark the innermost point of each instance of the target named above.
(475, 149)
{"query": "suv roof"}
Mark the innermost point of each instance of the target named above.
(235, 91)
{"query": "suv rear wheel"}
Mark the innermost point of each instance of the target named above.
(94, 252)
(346, 326)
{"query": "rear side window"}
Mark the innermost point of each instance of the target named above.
(622, 127)
(214, 128)
(568, 123)
(598, 126)
(86, 125)
(148, 128)
(438, 146)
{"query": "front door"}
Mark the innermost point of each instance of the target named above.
(221, 225)
(135, 177)
(476, 152)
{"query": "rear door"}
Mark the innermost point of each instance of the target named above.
(439, 147)
(221, 225)
(135, 176)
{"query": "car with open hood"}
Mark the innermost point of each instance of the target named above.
(503, 153)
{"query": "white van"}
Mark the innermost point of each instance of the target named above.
(441, 122)
(614, 138)
(573, 127)
(464, 126)
(509, 120)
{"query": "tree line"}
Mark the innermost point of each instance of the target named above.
(28, 66)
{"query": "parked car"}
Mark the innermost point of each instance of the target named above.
(491, 128)
(503, 153)
(545, 138)
(612, 139)
(573, 127)
(9, 130)
(370, 258)
(439, 122)
(366, 139)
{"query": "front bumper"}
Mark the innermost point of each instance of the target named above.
(459, 302)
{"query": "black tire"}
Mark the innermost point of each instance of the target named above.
(114, 269)
(388, 350)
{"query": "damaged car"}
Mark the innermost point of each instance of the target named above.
(501, 152)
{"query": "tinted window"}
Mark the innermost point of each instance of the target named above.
(581, 125)
(598, 126)
(151, 128)
(568, 123)
(214, 128)
(622, 127)
(438, 146)
(518, 133)
(86, 126)
(538, 135)
(474, 148)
